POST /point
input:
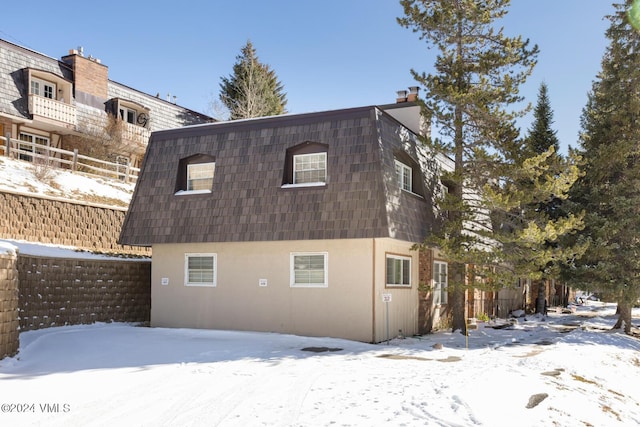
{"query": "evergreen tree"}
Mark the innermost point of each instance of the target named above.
(496, 230)
(551, 210)
(609, 191)
(253, 89)
(541, 135)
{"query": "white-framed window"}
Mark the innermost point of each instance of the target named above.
(127, 114)
(398, 270)
(310, 168)
(404, 175)
(200, 176)
(440, 280)
(43, 88)
(200, 269)
(309, 269)
(32, 144)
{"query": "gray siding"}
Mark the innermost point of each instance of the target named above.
(13, 83)
(163, 114)
(14, 91)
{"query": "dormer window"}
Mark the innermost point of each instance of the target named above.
(405, 176)
(129, 112)
(43, 88)
(310, 168)
(408, 175)
(195, 174)
(45, 84)
(200, 176)
(306, 165)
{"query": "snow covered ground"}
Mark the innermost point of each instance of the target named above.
(23, 177)
(121, 374)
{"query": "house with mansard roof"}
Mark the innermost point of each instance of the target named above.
(299, 224)
(71, 103)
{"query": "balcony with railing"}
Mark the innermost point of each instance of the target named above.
(51, 109)
(136, 134)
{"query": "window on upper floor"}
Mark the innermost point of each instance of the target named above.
(129, 112)
(404, 175)
(43, 88)
(48, 85)
(398, 271)
(200, 176)
(195, 174)
(408, 174)
(309, 270)
(310, 168)
(306, 165)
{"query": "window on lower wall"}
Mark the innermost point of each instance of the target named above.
(398, 271)
(200, 269)
(32, 144)
(309, 270)
(440, 291)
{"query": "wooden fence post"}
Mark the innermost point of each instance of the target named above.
(8, 142)
(74, 166)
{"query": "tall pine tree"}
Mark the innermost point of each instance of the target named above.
(477, 74)
(490, 233)
(253, 89)
(552, 210)
(609, 191)
(541, 135)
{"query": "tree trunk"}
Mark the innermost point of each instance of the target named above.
(624, 318)
(458, 318)
(458, 300)
(541, 299)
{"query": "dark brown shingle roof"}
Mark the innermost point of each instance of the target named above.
(361, 198)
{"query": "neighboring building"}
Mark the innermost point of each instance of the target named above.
(72, 104)
(300, 224)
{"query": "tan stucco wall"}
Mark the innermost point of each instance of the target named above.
(344, 309)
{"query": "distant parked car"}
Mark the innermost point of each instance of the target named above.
(582, 298)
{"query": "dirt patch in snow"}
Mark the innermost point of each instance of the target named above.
(405, 357)
(320, 349)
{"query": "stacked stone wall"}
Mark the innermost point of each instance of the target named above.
(60, 222)
(39, 292)
(8, 304)
(58, 292)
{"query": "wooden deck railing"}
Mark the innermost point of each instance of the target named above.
(70, 160)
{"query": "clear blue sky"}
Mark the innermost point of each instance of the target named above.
(329, 54)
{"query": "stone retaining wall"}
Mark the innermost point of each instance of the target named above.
(57, 292)
(8, 304)
(61, 222)
(39, 292)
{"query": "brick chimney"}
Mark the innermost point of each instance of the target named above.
(401, 96)
(413, 94)
(89, 75)
(407, 96)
